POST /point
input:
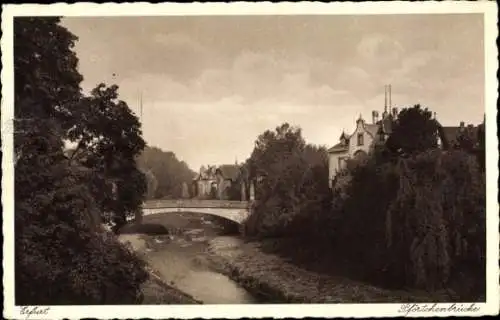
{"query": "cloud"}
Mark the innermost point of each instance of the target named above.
(379, 52)
(180, 57)
(211, 85)
(251, 77)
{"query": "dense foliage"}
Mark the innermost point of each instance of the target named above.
(423, 219)
(62, 256)
(409, 215)
(413, 131)
(108, 138)
(292, 182)
(169, 172)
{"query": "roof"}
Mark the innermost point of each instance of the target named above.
(207, 173)
(452, 133)
(230, 171)
(372, 129)
(339, 147)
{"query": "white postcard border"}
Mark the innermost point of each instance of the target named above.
(489, 9)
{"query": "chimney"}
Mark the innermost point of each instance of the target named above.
(374, 116)
(385, 101)
(390, 97)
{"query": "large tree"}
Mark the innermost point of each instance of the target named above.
(108, 138)
(413, 131)
(292, 179)
(273, 146)
(47, 83)
(61, 254)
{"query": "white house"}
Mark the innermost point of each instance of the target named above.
(366, 135)
(361, 141)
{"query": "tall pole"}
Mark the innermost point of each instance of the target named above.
(390, 97)
(385, 100)
(140, 104)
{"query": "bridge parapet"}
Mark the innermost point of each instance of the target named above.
(195, 203)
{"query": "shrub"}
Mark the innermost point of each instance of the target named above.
(292, 183)
(418, 222)
(61, 254)
(61, 257)
(290, 197)
(358, 214)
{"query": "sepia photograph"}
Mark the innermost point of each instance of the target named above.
(156, 156)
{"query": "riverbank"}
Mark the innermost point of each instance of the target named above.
(180, 260)
(270, 276)
(155, 290)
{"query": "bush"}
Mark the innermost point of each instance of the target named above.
(61, 256)
(439, 215)
(417, 222)
(292, 184)
(358, 213)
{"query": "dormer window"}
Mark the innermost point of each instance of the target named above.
(360, 139)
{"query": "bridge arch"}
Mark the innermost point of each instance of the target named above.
(235, 215)
(236, 211)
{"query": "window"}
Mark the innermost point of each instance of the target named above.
(360, 139)
(342, 163)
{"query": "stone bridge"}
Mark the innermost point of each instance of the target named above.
(236, 211)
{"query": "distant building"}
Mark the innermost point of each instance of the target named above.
(215, 182)
(452, 135)
(205, 182)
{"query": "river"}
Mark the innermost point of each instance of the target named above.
(181, 259)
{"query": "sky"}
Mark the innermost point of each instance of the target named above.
(212, 84)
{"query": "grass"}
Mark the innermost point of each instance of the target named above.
(267, 274)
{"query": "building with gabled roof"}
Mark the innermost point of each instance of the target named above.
(215, 181)
(364, 137)
(367, 135)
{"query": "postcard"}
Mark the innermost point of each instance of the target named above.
(249, 160)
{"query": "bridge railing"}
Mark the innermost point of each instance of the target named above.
(195, 203)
